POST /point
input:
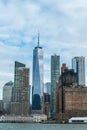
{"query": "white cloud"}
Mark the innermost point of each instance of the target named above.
(62, 25)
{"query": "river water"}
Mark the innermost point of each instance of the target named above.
(27, 126)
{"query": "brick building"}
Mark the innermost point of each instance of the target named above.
(68, 78)
(71, 103)
(71, 99)
(46, 108)
(63, 68)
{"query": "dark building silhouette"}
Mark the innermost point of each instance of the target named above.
(46, 104)
(63, 68)
(68, 78)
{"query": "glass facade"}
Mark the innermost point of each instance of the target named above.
(55, 73)
(16, 88)
(37, 83)
(78, 64)
(20, 90)
(7, 95)
(47, 88)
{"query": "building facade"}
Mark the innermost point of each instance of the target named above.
(47, 88)
(15, 94)
(74, 102)
(1, 108)
(37, 80)
(7, 96)
(78, 64)
(47, 95)
(20, 103)
(46, 109)
(55, 73)
(68, 79)
(63, 68)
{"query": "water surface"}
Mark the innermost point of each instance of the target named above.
(27, 126)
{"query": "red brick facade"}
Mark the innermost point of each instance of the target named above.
(74, 102)
(75, 99)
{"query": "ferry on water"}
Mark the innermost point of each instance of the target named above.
(78, 120)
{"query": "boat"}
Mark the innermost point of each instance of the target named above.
(78, 120)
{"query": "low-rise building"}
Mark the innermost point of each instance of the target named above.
(39, 117)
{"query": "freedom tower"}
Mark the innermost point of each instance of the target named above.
(37, 80)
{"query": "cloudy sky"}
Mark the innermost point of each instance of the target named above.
(63, 30)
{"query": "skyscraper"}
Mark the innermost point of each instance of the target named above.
(47, 88)
(15, 96)
(55, 73)
(20, 104)
(37, 81)
(63, 68)
(47, 95)
(7, 95)
(78, 64)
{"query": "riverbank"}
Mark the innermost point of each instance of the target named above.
(35, 118)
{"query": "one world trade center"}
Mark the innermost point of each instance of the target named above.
(37, 81)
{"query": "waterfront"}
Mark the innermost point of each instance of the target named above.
(37, 126)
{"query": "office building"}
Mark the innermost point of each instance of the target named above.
(47, 95)
(7, 96)
(68, 78)
(78, 64)
(63, 68)
(55, 73)
(20, 103)
(47, 88)
(1, 108)
(46, 109)
(37, 80)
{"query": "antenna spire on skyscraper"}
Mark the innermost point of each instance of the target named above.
(38, 39)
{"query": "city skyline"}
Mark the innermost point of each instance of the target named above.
(62, 27)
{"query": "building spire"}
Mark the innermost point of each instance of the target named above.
(38, 39)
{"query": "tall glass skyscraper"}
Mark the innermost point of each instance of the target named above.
(78, 64)
(55, 73)
(37, 81)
